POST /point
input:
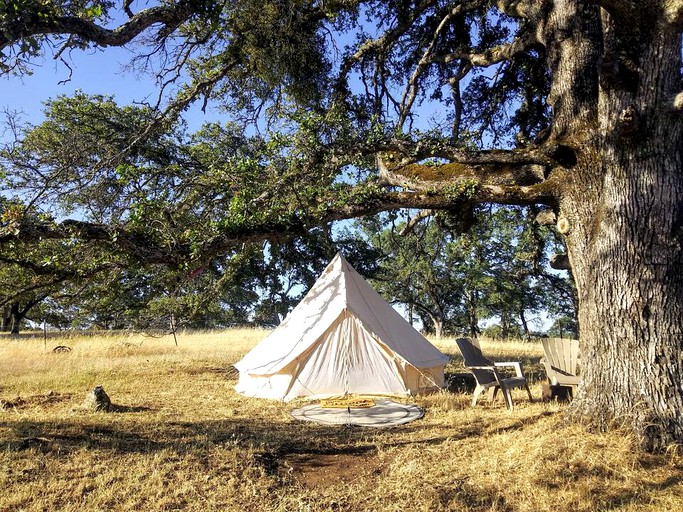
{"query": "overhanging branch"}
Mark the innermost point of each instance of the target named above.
(493, 56)
(387, 201)
(169, 15)
(132, 243)
(520, 177)
(56, 277)
(375, 201)
(400, 152)
(407, 165)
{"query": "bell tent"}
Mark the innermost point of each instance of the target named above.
(342, 338)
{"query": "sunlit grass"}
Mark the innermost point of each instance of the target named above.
(180, 438)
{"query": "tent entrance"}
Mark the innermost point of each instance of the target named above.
(346, 360)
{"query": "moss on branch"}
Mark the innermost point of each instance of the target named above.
(427, 176)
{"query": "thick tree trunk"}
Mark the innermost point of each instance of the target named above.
(16, 317)
(505, 323)
(12, 317)
(628, 271)
(438, 326)
(624, 206)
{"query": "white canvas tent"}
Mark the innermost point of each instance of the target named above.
(342, 338)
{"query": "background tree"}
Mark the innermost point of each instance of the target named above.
(520, 283)
(451, 280)
(417, 271)
(573, 104)
(289, 270)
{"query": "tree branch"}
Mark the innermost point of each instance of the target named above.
(168, 15)
(373, 202)
(184, 99)
(414, 221)
(400, 153)
(374, 45)
(623, 10)
(494, 55)
(30, 230)
(419, 177)
(675, 103)
(57, 277)
(410, 93)
(525, 9)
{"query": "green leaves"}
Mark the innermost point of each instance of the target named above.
(460, 191)
(310, 93)
(452, 279)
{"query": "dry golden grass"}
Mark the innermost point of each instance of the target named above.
(180, 438)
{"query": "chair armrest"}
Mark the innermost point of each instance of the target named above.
(513, 364)
(486, 368)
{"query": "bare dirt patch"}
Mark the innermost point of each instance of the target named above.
(314, 470)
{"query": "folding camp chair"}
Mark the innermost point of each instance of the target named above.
(488, 373)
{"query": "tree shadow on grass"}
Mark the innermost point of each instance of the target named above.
(135, 434)
(99, 431)
(128, 408)
(316, 456)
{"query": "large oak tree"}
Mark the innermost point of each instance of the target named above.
(574, 105)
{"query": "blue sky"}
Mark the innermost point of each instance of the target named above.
(94, 72)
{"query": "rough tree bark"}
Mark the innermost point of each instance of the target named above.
(622, 204)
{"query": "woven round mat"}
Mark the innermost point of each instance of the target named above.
(385, 413)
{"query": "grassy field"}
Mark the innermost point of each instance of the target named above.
(180, 438)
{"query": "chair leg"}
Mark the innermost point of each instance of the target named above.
(477, 391)
(508, 397)
(493, 391)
